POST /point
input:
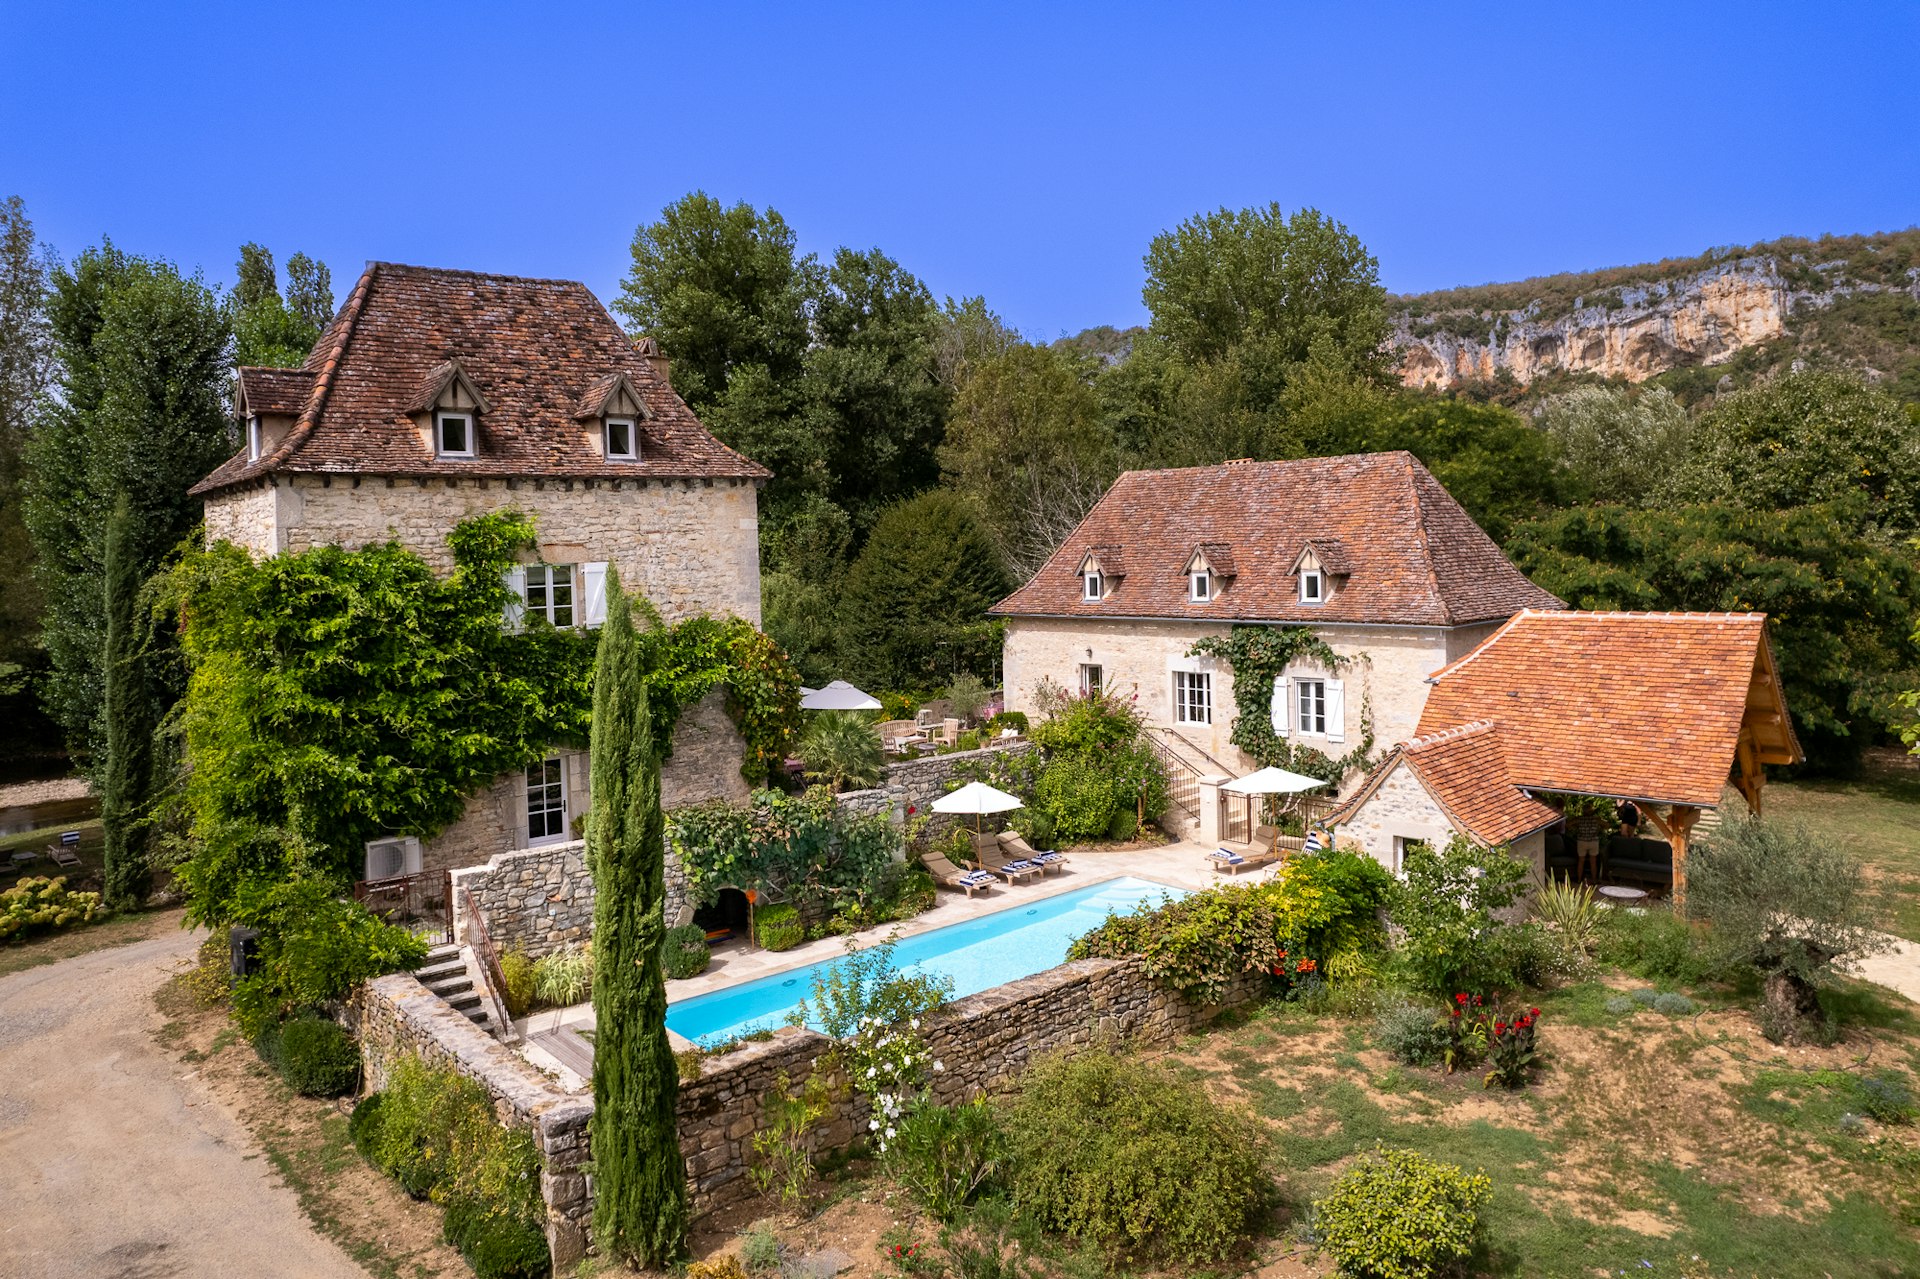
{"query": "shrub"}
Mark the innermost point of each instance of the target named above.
(1133, 1157)
(1411, 1032)
(782, 1151)
(1447, 906)
(1570, 910)
(842, 751)
(363, 1128)
(760, 1249)
(318, 1058)
(1621, 1004)
(1655, 944)
(1886, 1096)
(725, 1266)
(967, 694)
(517, 982)
(564, 977)
(1674, 1005)
(944, 1155)
(1327, 908)
(498, 1245)
(1198, 944)
(1512, 1051)
(1035, 827)
(684, 951)
(39, 904)
(1016, 720)
(1397, 1214)
(779, 927)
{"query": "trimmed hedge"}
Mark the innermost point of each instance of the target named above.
(684, 951)
(1396, 1214)
(779, 928)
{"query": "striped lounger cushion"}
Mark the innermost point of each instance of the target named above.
(976, 878)
(1227, 856)
(1022, 864)
(1045, 859)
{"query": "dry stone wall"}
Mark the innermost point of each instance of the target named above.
(913, 784)
(983, 1043)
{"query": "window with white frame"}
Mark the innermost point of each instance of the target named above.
(1312, 587)
(1091, 589)
(1192, 697)
(1091, 677)
(623, 442)
(1402, 845)
(550, 593)
(1311, 696)
(1200, 586)
(253, 438)
(546, 800)
(453, 434)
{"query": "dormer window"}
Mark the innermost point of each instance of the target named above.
(623, 442)
(253, 438)
(1200, 586)
(1092, 585)
(453, 434)
(1312, 587)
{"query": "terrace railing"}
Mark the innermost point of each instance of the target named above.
(422, 902)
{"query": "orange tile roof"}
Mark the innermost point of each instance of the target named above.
(1644, 706)
(1404, 550)
(1465, 770)
(532, 348)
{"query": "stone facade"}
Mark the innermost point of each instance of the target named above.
(541, 900)
(705, 765)
(1388, 665)
(691, 546)
(916, 783)
(983, 1043)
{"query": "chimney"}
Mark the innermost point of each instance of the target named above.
(651, 353)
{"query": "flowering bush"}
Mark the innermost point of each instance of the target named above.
(1198, 944)
(1512, 1052)
(1468, 1025)
(875, 1012)
(37, 903)
(1397, 1214)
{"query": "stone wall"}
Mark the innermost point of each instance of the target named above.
(1400, 808)
(1139, 658)
(983, 1043)
(541, 900)
(690, 546)
(916, 783)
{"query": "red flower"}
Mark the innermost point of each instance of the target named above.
(1533, 1012)
(1499, 1027)
(912, 809)
(1456, 1012)
(1459, 999)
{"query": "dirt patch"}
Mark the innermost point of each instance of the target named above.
(306, 1142)
(121, 930)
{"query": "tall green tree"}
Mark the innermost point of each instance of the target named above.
(310, 291)
(134, 702)
(140, 411)
(269, 330)
(913, 605)
(1027, 444)
(1617, 445)
(25, 366)
(640, 1180)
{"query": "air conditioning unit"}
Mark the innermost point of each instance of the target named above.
(394, 856)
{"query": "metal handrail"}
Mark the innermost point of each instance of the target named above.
(496, 981)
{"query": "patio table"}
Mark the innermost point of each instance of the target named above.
(1624, 896)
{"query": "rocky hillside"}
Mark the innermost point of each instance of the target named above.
(1853, 300)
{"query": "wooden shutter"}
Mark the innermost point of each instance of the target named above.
(1278, 708)
(514, 611)
(1336, 711)
(593, 579)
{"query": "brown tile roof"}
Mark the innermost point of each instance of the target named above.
(1219, 558)
(1645, 706)
(1414, 556)
(1465, 770)
(1330, 551)
(280, 392)
(532, 348)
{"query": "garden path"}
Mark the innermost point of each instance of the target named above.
(1897, 969)
(115, 1161)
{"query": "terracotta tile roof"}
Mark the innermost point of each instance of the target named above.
(1414, 556)
(1331, 552)
(1645, 706)
(1219, 557)
(281, 392)
(1465, 770)
(532, 348)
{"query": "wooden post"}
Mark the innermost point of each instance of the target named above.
(1751, 774)
(1680, 822)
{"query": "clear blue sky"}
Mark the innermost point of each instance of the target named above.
(1025, 152)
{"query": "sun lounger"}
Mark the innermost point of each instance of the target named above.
(1228, 862)
(992, 859)
(67, 851)
(945, 872)
(1016, 847)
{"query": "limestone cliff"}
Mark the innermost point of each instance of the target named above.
(1636, 323)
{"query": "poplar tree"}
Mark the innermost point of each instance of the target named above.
(640, 1182)
(132, 717)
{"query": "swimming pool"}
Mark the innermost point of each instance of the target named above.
(1017, 941)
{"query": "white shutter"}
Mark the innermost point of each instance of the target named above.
(593, 581)
(515, 609)
(1336, 711)
(1278, 708)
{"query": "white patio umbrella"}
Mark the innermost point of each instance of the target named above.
(976, 798)
(838, 696)
(1272, 781)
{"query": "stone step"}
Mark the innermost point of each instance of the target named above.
(465, 1000)
(442, 953)
(432, 972)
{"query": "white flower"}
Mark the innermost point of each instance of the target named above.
(889, 1137)
(938, 1068)
(873, 1125)
(915, 1023)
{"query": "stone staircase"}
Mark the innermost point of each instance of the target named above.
(1185, 765)
(445, 974)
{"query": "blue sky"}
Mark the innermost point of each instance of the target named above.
(1024, 152)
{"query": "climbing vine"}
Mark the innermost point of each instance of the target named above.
(1260, 655)
(789, 848)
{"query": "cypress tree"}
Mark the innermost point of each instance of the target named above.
(640, 1181)
(132, 716)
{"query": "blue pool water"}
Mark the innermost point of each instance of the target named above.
(1016, 941)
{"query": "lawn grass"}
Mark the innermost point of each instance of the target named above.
(92, 853)
(1876, 817)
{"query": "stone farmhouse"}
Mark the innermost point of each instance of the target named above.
(437, 395)
(1367, 550)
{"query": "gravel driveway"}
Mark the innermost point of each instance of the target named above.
(115, 1162)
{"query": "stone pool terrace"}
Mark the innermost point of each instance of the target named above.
(547, 1044)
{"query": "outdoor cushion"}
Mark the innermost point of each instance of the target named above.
(1022, 864)
(977, 877)
(1046, 857)
(1226, 855)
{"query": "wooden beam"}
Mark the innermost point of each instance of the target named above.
(1679, 827)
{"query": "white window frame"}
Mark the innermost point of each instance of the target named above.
(544, 579)
(253, 438)
(1193, 697)
(1310, 702)
(1200, 586)
(1092, 587)
(632, 425)
(440, 419)
(1311, 578)
(1093, 678)
(547, 793)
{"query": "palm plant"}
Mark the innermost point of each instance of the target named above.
(1571, 909)
(841, 749)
